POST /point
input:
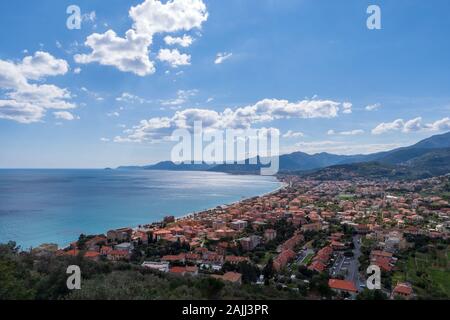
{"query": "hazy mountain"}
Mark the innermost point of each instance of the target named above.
(433, 151)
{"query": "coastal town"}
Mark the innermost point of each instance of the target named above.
(312, 237)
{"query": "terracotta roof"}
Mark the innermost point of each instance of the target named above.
(342, 285)
(229, 276)
(91, 254)
(403, 288)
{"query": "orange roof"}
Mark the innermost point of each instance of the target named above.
(73, 252)
(342, 285)
(403, 288)
(177, 269)
(91, 254)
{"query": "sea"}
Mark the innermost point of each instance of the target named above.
(56, 206)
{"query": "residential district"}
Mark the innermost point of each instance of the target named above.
(308, 230)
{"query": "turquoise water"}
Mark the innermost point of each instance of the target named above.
(38, 206)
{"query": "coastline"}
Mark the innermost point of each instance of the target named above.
(192, 214)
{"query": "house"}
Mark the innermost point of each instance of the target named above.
(283, 258)
(92, 255)
(337, 245)
(270, 234)
(161, 234)
(192, 270)
(125, 246)
(105, 250)
(292, 242)
(238, 225)
(181, 258)
(236, 259)
(340, 286)
(119, 235)
(233, 277)
(250, 243)
(159, 266)
(312, 227)
(402, 289)
(117, 255)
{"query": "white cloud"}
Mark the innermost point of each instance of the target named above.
(64, 115)
(42, 65)
(174, 57)
(222, 56)
(185, 41)
(130, 98)
(77, 70)
(439, 125)
(131, 53)
(182, 97)
(293, 134)
(346, 133)
(104, 139)
(347, 107)
(373, 107)
(240, 118)
(413, 125)
(24, 101)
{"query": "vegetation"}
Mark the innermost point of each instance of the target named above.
(24, 275)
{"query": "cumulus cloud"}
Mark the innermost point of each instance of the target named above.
(64, 115)
(413, 125)
(174, 57)
(240, 118)
(185, 41)
(293, 134)
(131, 53)
(222, 56)
(24, 101)
(42, 65)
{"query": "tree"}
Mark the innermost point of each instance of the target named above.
(367, 294)
(268, 270)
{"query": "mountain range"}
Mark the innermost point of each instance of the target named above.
(428, 157)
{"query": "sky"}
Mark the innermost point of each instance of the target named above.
(111, 92)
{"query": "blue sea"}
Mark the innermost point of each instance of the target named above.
(56, 206)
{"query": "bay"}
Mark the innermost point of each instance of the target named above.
(56, 206)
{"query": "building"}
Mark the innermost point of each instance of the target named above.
(270, 234)
(159, 266)
(250, 243)
(119, 235)
(239, 225)
(341, 286)
(283, 258)
(403, 290)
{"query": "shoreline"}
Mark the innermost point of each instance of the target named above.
(192, 214)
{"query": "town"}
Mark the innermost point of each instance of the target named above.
(316, 238)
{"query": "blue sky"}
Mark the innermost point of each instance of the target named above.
(294, 65)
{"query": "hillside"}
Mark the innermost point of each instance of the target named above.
(425, 158)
